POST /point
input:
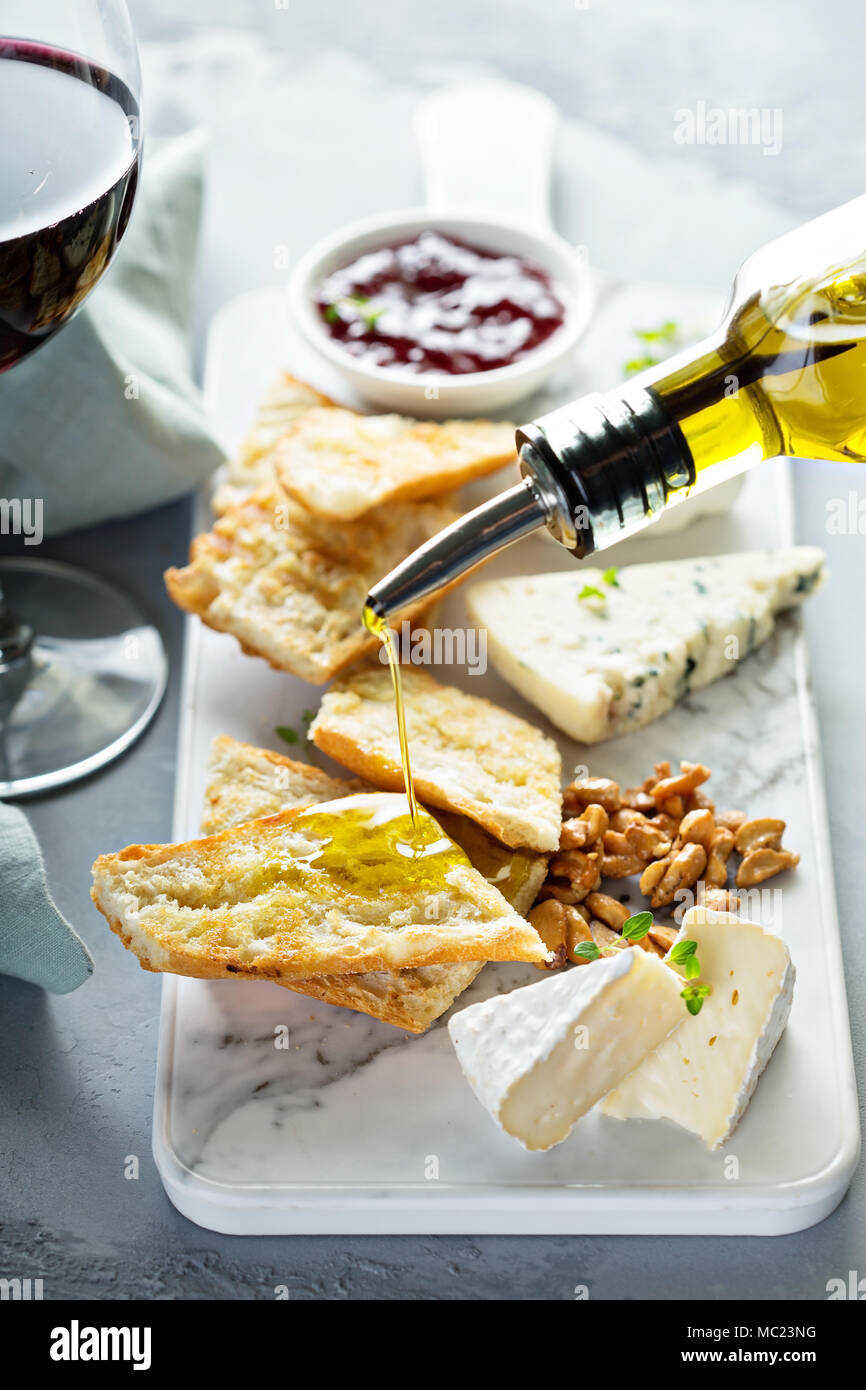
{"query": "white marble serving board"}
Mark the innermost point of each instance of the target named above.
(359, 1127)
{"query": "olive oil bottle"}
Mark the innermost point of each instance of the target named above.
(785, 373)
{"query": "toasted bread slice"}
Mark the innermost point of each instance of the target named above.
(410, 999)
(518, 873)
(321, 890)
(291, 587)
(286, 399)
(247, 783)
(468, 755)
(341, 465)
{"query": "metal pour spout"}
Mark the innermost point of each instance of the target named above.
(449, 555)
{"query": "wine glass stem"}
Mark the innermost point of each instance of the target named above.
(16, 638)
(5, 616)
(7, 622)
(15, 643)
(16, 666)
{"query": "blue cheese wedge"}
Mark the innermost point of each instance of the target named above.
(603, 653)
(542, 1056)
(704, 1075)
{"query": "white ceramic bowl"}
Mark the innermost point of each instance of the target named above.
(441, 395)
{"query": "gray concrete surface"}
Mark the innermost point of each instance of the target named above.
(76, 1073)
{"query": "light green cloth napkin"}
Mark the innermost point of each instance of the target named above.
(104, 421)
(36, 943)
(107, 420)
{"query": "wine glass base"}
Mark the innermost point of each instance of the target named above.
(90, 684)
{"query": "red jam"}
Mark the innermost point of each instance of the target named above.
(436, 304)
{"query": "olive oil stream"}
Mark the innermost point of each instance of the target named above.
(370, 845)
(367, 845)
(378, 626)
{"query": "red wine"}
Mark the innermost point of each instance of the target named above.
(69, 152)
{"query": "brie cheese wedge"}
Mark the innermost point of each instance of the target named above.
(602, 658)
(542, 1056)
(703, 1076)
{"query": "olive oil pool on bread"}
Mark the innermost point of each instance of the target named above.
(368, 844)
(784, 374)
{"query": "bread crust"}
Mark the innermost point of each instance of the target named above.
(285, 400)
(246, 783)
(351, 728)
(289, 587)
(285, 945)
(340, 465)
(511, 946)
(410, 999)
(411, 1006)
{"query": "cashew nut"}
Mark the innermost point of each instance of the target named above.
(576, 931)
(720, 846)
(764, 863)
(622, 819)
(602, 934)
(668, 824)
(562, 892)
(652, 876)
(574, 834)
(718, 900)
(615, 843)
(699, 801)
(683, 869)
(697, 828)
(648, 841)
(596, 791)
(620, 865)
(638, 800)
(664, 937)
(765, 832)
(687, 780)
(614, 914)
(581, 870)
(550, 920)
(580, 831)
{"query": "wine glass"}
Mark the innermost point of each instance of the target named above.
(81, 671)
